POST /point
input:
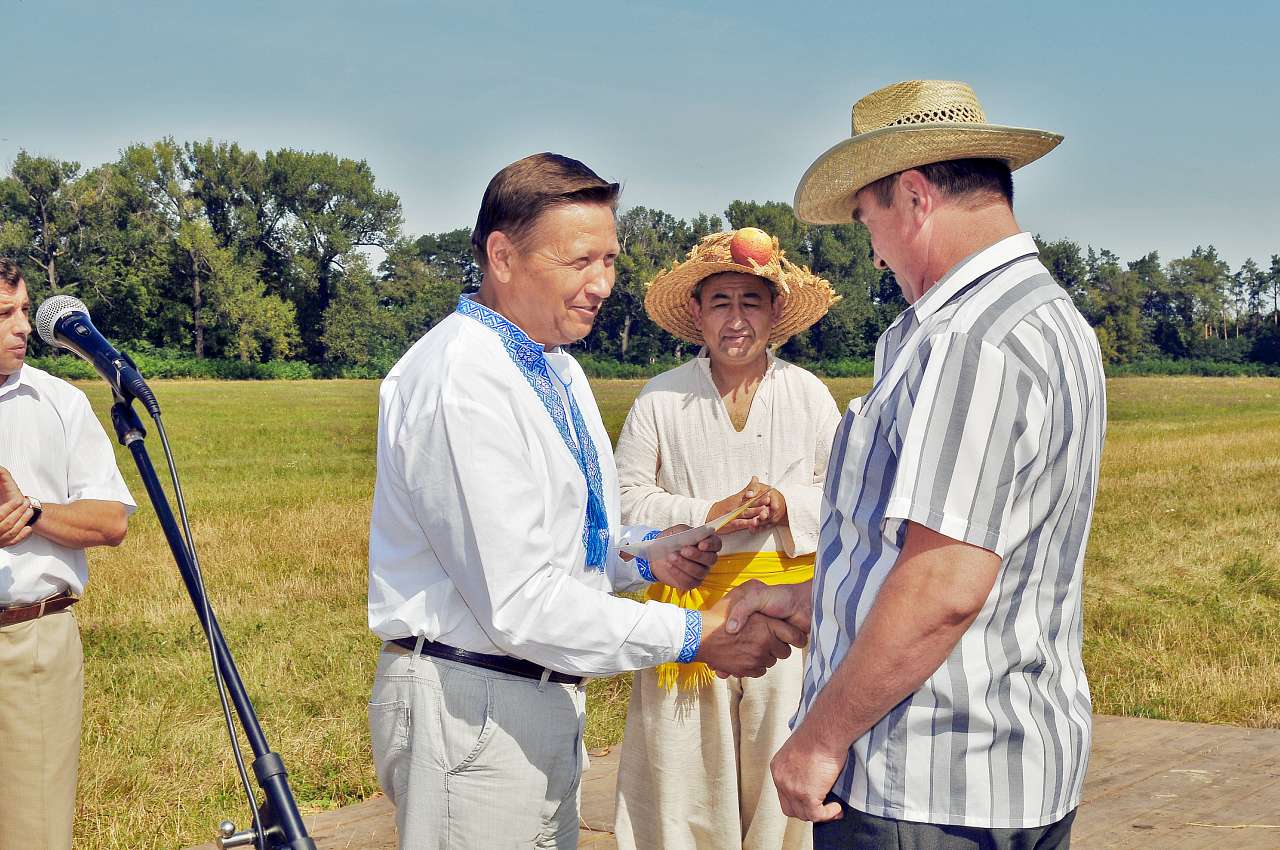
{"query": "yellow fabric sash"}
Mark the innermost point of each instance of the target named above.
(728, 572)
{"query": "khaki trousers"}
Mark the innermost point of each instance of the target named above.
(41, 698)
(473, 759)
(694, 771)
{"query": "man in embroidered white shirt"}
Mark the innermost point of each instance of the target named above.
(494, 540)
(60, 493)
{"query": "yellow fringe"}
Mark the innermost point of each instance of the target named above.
(729, 572)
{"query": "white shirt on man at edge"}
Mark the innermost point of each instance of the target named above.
(57, 452)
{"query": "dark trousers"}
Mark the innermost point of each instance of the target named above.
(862, 831)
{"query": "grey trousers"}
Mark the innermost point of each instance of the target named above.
(476, 760)
(862, 831)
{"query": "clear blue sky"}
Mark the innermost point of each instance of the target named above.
(1171, 110)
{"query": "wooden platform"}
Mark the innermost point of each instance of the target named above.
(1151, 784)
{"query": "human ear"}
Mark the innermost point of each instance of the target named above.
(501, 252)
(917, 194)
(695, 310)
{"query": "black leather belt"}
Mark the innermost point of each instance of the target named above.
(498, 663)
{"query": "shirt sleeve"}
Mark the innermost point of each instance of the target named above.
(630, 574)
(472, 493)
(974, 428)
(804, 497)
(639, 458)
(92, 472)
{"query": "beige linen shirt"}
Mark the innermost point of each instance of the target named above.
(679, 453)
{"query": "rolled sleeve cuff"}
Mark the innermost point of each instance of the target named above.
(107, 494)
(957, 527)
(642, 565)
(692, 636)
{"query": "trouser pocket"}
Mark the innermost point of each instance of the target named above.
(466, 717)
(389, 734)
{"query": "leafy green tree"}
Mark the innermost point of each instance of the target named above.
(40, 214)
(352, 322)
(333, 208)
(156, 171)
(450, 254)
(1112, 299)
(415, 294)
(1246, 289)
(222, 293)
(123, 255)
(1197, 284)
(1273, 288)
(246, 320)
(1063, 260)
(233, 187)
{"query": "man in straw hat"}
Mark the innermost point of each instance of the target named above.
(495, 538)
(733, 424)
(945, 702)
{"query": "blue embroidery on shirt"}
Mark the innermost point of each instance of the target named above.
(642, 565)
(529, 356)
(692, 636)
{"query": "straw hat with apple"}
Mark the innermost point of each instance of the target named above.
(805, 296)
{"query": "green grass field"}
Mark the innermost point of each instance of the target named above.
(1182, 583)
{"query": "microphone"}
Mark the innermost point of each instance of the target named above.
(63, 322)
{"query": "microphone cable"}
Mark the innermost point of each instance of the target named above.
(205, 621)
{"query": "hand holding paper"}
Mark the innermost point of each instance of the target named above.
(743, 507)
(684, 565)
(755, 506)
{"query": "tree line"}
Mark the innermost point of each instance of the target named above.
(214, 251)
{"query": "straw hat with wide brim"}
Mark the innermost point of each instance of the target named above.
(805, 296)
(904, 126)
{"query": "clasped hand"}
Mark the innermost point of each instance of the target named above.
(15, 511)
(784, 610)
(768, 508)
(753, 626)
(756, 641)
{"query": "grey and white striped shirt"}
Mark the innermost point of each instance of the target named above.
(985, 423)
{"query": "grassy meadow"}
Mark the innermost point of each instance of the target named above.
(1182, 583)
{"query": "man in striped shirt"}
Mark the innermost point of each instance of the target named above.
(945, 702)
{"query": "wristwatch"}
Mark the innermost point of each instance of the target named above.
(37, 508)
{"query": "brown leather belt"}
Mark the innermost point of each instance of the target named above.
(499, 663)
(15, 614)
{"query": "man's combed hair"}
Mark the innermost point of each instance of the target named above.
(522, 191)
(956, 178)
(10, 274)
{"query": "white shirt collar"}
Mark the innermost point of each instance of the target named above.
(20, 378)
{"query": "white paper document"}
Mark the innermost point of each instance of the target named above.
(661, 547)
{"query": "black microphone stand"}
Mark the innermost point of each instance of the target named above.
(281, 826)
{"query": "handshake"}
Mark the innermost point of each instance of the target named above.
(753, 626)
